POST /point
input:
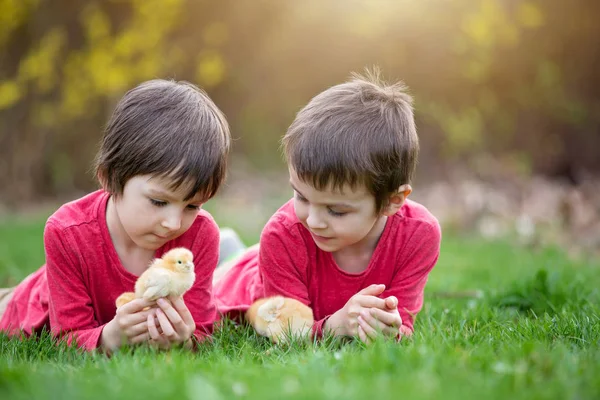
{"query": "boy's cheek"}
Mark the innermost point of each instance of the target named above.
(299, 212)
(188, 224)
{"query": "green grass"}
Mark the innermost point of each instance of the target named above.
(534, 333)
(21, 249)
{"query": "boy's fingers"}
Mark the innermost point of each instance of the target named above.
(152, 328)
(183, 311)
(368, 332)
(374, 328)
(137, 329)
(367, 301)
(391, 332)
(141, 338)
(372, 321)
(134, 319)
(170, 312)
(155, 332)
(373, 290)
(391, 302)
(160, 343)
(134, 306)
(362, 335)
(165, 325)
(387, 318)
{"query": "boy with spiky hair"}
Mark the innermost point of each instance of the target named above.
(163, 155)
(349, 244)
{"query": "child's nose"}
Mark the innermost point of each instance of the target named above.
(172, 222)
(314, 221)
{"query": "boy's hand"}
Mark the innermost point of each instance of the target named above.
(175, 321)
(346, 320)
(377, 321)
(129, 325)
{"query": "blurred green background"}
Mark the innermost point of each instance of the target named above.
(502, 87)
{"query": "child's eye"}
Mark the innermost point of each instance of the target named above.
(158, 203)
(193, 207)
(300, 198)
(336, 213)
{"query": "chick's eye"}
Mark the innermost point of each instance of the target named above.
(178, 261)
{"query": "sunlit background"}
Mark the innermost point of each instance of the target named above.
(506, 96)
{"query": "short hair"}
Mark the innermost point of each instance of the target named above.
(359, 132)
(168, 129)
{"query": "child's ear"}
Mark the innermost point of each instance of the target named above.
(396, 200)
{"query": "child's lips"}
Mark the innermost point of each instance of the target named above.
(320, 238)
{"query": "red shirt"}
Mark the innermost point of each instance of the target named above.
(74, 293)
(289, 263)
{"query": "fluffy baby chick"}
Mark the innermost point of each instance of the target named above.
(171, 275)
(280, 318)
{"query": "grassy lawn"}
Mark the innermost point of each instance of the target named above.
(534, 333)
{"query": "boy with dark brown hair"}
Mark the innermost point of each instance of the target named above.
(163, 155)
(349, 244)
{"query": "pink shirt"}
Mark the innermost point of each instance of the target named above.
(289, 263)
(74, 293)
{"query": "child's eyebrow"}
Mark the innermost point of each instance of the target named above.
(341, 205)
(169, 196)
(161, 193)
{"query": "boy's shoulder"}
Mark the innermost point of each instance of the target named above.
(415, 223)
(285, 222)
(285, 216)
(417, 213)
(81, 211)
(204, 223)
(203, 232)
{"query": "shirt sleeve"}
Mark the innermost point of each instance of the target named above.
(283, 265)
(414, 265)
(199, 299)
(70, 305)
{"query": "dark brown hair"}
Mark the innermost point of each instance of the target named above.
(168, 129)
(358, 132)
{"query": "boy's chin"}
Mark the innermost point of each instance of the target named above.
(150, 246)
(151, 242)
(327, 247)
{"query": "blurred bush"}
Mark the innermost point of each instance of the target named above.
(515, 80)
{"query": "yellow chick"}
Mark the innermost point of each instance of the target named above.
(280, 318)
(171, 275)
